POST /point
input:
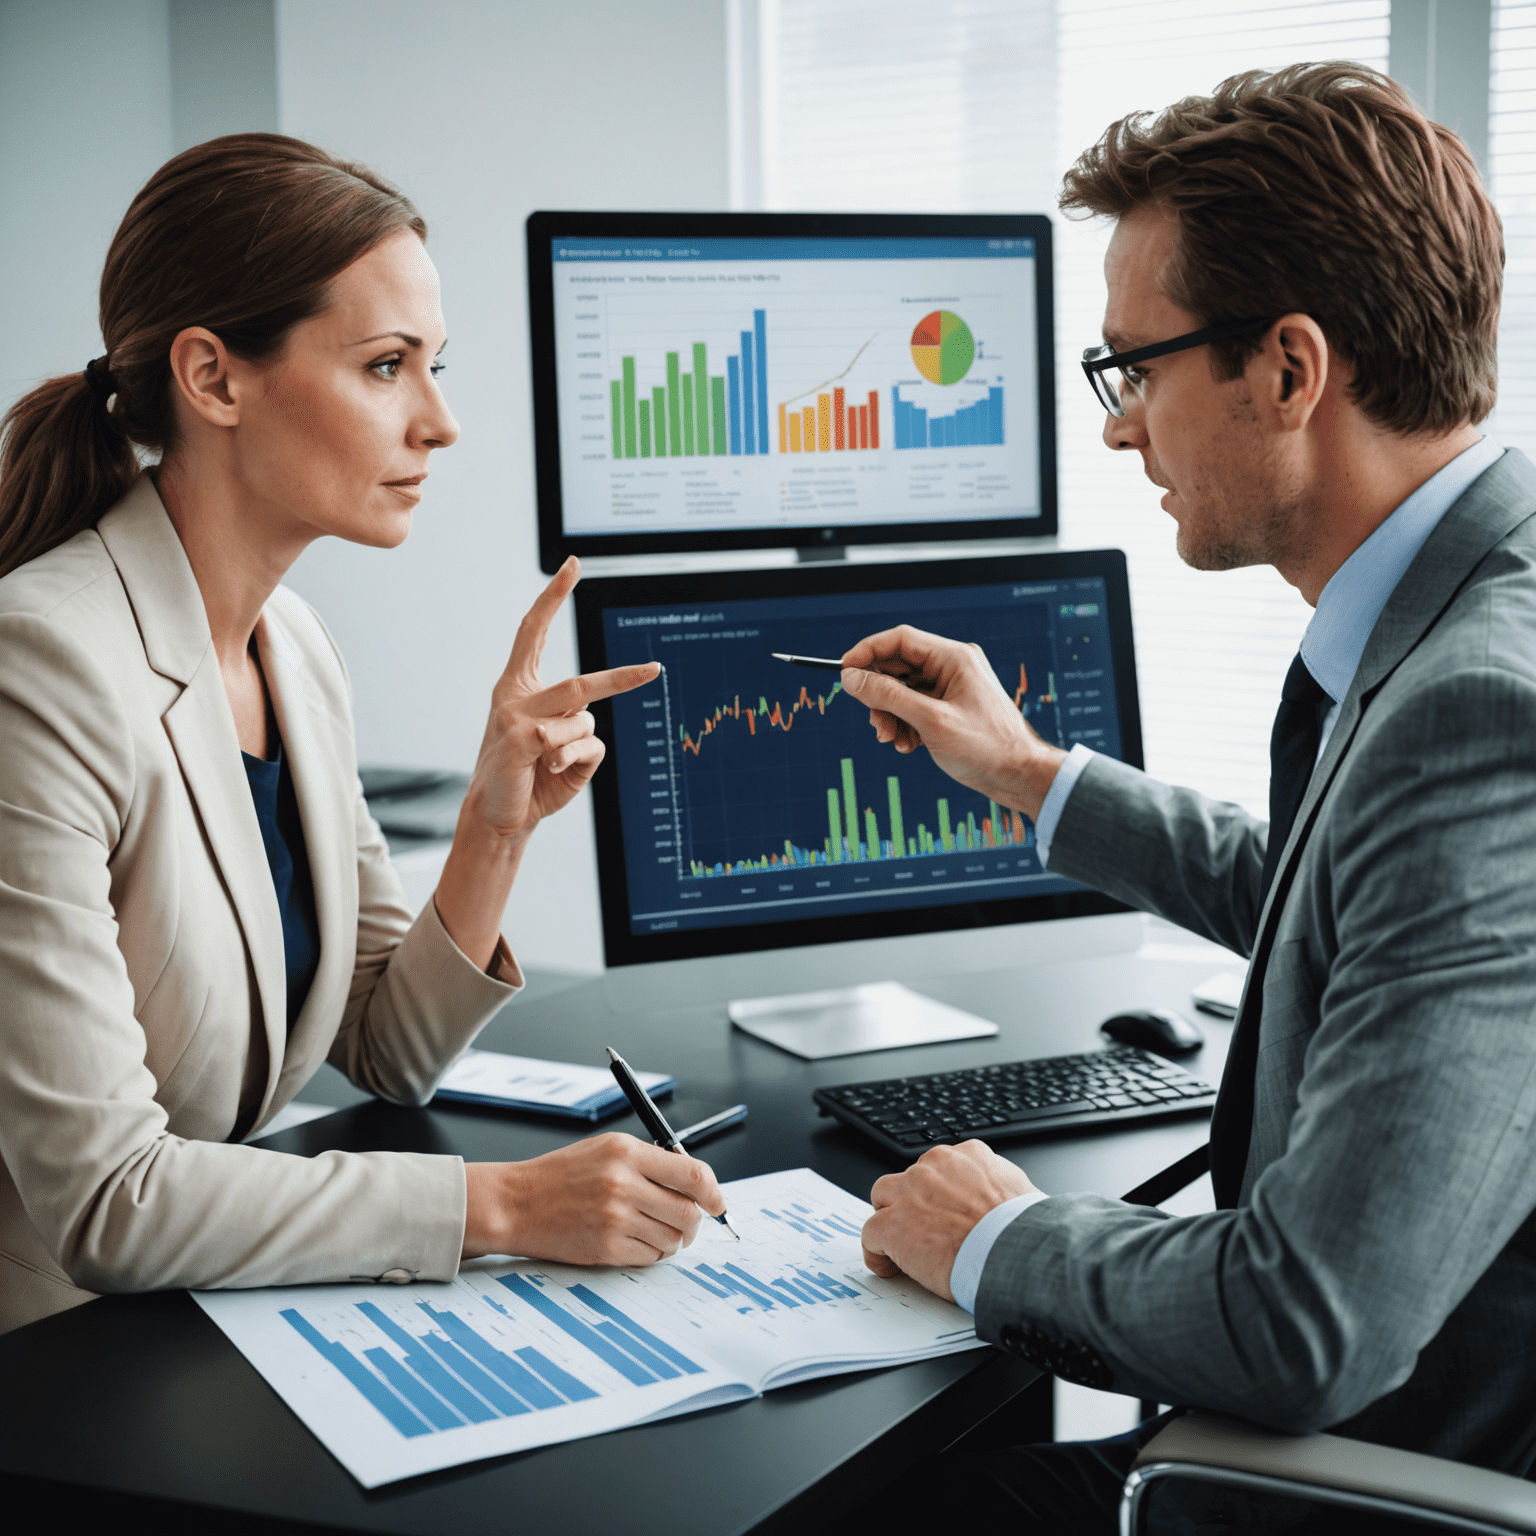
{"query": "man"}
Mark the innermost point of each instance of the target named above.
(1371, 1268)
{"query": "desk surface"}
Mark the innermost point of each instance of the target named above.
(143, 1395)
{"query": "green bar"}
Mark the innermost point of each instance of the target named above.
(997, 823)
(717, 405)
(922, 838)
(688, 413)
(674, 403)
(618, 419)
(659, 421)
(645, 429)
(629, 407)
(970, 827)
(911, 847)
(835, 822)
(850, 808)
(871, 834)
(701, 405)
(898, 831)
(946, 842)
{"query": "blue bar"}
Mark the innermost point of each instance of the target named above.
(838, 1224)
(428, 1368)
(359, 1375)
(841, 1289)
(996, 397)
(521, 1381)
(747, 1279)
(749, 441)
(629, 1325)
(815, 1289)
(760, 357)
(560, 1381)
(798, 1292)
(700, 1281)
(755, 1297)
(407, 1386)
(652, 1362)
(578, 1330)
(473, 1377)
(733, 408)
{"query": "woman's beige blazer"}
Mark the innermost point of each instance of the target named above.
(142, 993)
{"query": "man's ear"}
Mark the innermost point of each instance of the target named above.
(200, 371)
(1290, 372)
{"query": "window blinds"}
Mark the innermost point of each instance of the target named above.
(980, 105)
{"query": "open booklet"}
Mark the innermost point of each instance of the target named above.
(397, 1381)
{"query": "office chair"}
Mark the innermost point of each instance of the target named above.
(1330, 1470)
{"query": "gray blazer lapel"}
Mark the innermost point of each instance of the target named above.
(326, 811)
(168, 608)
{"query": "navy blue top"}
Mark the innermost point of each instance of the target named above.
(277, 809)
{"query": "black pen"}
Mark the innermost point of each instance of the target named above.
(821, 663)
(650, 1117)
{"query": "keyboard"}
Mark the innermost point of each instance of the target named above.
(1118, 1086)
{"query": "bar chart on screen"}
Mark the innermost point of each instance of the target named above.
(510, 1355)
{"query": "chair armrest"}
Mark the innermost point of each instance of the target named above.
(1350, 1466)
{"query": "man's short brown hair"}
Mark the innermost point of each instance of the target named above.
(1321, 189)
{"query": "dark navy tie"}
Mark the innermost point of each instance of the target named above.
(1293, 744)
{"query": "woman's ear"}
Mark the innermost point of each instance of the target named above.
(200, 370)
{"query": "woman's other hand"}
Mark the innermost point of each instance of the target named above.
(607, 1200)
(539, 751)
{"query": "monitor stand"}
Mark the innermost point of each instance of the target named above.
(815, 552)
(848, 1021)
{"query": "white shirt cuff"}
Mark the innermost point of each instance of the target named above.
(1056, 799)
(965, 1277)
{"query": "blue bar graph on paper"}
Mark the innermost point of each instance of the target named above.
(424, 1365)
(748, 396)
(979, 424)
(630, 1326)
(562, 1381)
(622, 1362)
(382, 1398)
(760, 357)
(409, 1385)
(733, 409)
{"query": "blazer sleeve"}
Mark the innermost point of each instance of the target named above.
(1195, 861)
(1411, 1160)
(120, 1202)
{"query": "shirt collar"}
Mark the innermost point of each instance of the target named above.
(1348, 607)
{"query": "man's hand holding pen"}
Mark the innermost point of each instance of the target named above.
(926, 691)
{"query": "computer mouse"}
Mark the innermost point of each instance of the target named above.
(1155, 1029)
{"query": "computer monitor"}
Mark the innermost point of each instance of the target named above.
(746, 807)
(735, 381)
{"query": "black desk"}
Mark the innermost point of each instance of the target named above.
(142, 1397)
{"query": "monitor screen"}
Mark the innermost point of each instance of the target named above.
(745, 803)
(727, 381)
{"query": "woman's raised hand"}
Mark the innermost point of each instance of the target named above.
(540, 749)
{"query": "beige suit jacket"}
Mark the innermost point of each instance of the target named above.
(142, 991)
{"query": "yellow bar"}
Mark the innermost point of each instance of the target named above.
(824, 423)
(809, 413)
(783, 438)
(794, 431)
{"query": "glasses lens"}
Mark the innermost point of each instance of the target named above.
(1105, 381)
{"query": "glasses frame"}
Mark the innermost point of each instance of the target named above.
(1100, 359)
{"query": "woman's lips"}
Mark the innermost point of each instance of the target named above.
(410, 490)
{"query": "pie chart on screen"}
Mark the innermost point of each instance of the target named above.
(943, 347)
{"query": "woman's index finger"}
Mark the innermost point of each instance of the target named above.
(534, 629)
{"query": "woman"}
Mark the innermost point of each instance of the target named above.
(196, 909)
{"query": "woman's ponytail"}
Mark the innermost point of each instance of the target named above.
(242, 235)
(63, 462)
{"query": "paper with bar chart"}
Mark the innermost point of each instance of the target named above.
(753, 791)
(397, 1381)
(727, 386)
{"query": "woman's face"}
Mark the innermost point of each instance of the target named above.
(334, 436)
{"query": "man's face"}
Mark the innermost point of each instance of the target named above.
(1227, 484)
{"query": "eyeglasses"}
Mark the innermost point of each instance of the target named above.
(1097, 361)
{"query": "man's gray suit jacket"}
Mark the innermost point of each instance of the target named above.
(1372, 1268)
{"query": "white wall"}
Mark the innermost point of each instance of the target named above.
(85, 117)
(483, 111)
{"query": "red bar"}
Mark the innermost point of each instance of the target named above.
(839, 437)
(874, 418)
(863, 426)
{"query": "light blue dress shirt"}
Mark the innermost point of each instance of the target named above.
(1347, 611)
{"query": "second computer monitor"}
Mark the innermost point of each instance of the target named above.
(725, 381)
(746, 804)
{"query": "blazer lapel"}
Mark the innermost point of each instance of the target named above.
(1492, 507)
(325, 809)
(173, 622)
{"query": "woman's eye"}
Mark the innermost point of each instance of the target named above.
(387, 368)
(437, 369)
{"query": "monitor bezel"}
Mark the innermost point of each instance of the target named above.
(555, 544)
(622, 947)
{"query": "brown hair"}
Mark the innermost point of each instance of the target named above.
(1321, 189)
(242, 235)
